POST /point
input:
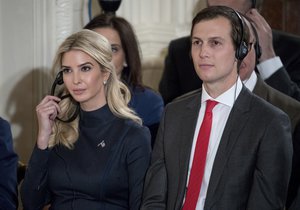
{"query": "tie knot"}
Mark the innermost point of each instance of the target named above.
(210, 105)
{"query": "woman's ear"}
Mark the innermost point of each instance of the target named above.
(106, 76)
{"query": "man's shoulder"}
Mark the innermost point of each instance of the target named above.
(267, 109)
(287, 104)
(259, 105)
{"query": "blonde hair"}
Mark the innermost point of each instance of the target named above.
(116, 93)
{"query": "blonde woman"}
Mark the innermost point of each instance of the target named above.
(147, 103)
(92, 151)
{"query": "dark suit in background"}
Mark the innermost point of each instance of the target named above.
(179, 76)
(8, 169)
(295, 203)
(292, 108)
(241, 176)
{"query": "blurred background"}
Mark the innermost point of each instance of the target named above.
(31, 30)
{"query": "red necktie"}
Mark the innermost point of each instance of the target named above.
(199, 160)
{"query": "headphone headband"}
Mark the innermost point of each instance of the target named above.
(242, 48)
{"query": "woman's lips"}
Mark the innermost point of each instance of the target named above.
(78, 91)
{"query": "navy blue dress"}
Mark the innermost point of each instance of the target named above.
(105, 170)
(149, 106)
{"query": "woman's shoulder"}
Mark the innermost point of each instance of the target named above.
(137, 131)
(147, 104)
(134, 126)
(147, 93)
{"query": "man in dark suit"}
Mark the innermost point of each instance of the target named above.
(249, 156)
(8, 169)
(287, 104)
(294, 182)
(179, 76)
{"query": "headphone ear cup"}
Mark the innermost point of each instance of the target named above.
(59, 78)
(241, 51)
(58, 81)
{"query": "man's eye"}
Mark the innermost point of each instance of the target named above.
(196, 42)
(215, 43)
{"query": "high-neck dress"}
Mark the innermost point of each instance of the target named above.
(105, 170)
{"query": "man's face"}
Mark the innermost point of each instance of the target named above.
(239, 5)
(249, 62)
(213, 53)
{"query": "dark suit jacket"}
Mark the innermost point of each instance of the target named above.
(8, 169)
(287, 104)
(294, 182)
(287, 47)
(292, 108)
(252, 166)
(296, 204)
(179, 75)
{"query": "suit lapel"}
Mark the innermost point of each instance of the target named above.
(189, 121)
(234, 126)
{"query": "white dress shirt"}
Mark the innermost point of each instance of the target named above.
(251, 82)
(269, 67)
(220, 115)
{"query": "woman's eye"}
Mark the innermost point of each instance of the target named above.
(114, 49)
(86, 68)
(66, 70)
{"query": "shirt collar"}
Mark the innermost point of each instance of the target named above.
(251, 81)
(228, 97)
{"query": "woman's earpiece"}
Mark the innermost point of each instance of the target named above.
(58, 81)
(59, 78)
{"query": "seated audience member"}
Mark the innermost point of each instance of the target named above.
(147, 103)
(239, 159)
(92, 151)
(287, 104)
(8, 169)
(294, 182)
(296, 203)
(179, 75)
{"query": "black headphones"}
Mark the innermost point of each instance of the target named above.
(242, 48)
(59, 81)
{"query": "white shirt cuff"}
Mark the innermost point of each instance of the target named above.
(269, 67)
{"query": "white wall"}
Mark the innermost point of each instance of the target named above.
(31, 30)
(16, 68)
